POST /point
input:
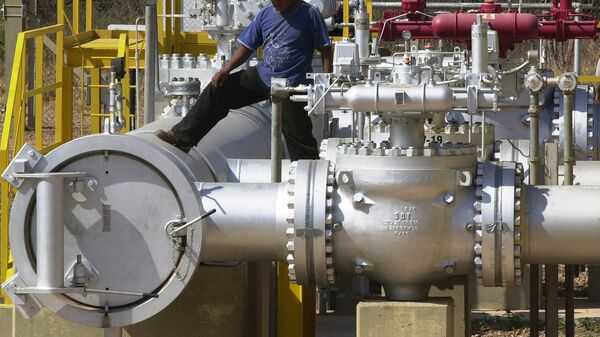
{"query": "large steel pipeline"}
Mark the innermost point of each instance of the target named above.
(562, 216)
(250, 222)
(120, 217)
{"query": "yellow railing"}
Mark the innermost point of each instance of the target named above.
(13, 132)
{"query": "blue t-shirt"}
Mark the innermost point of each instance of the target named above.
(288, 41)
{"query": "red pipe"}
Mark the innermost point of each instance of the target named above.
(418, 29)
(512, 28)
(566, 5)
(566, 30)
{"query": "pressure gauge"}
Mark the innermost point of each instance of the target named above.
(567, 82)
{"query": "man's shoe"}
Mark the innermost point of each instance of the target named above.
(169, 137)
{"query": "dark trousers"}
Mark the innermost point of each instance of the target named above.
(238, 90)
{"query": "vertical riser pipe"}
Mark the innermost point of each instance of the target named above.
(50, 233)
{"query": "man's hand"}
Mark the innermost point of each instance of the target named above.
(220, 77)
(240, 56)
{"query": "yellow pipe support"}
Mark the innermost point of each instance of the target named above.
(39, 82)
(296, 306)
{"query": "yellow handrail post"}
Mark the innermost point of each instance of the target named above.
(39, 82)
(169, 26)
(95, 119)
(89, 12)
(64, 107)
(19, 122)
(60, 61)
(164, 27)
(177, 27)
(14, 92)
(76, 17)
(346, 18)
(64, 94)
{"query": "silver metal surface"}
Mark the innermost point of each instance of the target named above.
(249, 224)
(385, 99)
(49, 225)
(309, 219)
(362, 30)
(402, 209)
(498, 224)
(407, 132)
(558, 214)
(479, 47)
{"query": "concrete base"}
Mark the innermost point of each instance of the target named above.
(215, 304)
(399, 319)
(498, 298)
(459, 290)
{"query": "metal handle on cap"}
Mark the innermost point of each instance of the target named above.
(188, 224)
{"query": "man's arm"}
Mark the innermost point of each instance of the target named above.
(241, 55)
(327, 58)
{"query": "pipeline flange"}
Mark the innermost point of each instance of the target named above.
(586, 129)
(432, 149)
(310, 220)
(498, 223)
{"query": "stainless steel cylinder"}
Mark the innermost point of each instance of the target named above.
(407, 132)
(479, 47)
(562, 225)
(384, 99)
(362, 30)
(249, 224)
(222, 13)
(50, 229)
